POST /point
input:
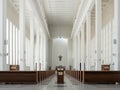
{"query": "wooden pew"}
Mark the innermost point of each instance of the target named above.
(42, 75)
(96, 76)
(101, 77)
(24, 76)
(75, 74)
(18, 76)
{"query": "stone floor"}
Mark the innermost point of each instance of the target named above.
(50, 84)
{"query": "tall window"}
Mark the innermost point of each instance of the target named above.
(13, 45)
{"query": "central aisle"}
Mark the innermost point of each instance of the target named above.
(73, 84)
(69, 84)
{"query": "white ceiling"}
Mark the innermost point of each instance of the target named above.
(60, 12)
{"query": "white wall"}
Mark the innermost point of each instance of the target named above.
(59, 47)
(63, 31)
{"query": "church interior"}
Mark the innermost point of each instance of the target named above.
(59, 44)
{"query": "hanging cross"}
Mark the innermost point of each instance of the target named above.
(60, 58)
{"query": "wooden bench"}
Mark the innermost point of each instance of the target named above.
(24, 76)
(18, 76)
(75, 74)
(96, 76)
(101, 76)
(44, 74)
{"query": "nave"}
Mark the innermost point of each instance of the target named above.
(50, 84)
(81, 36)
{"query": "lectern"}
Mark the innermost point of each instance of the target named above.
(60, 75)
(14, 67)
(105, 67)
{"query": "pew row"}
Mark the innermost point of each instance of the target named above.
(101, 76)
(19, 76)
(75, 74)
(42, 75)
(24, 76)
(96, 76)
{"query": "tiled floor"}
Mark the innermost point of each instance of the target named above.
(70, 84)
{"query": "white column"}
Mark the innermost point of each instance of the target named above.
(110, 43)
(90, 45)
(82, 47)
(38, 47)
(22, 33)
(98, 27)
(78, 48)
(107, 46)
(8, 27)
(2, 34)
(117, 35)
(41, 53)
(88, 39)
(74, 53)
(32, 43)
(102, 46)
(45, 49)
(69, 54)
(86, 48)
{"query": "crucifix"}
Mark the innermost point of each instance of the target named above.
(60, 57)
